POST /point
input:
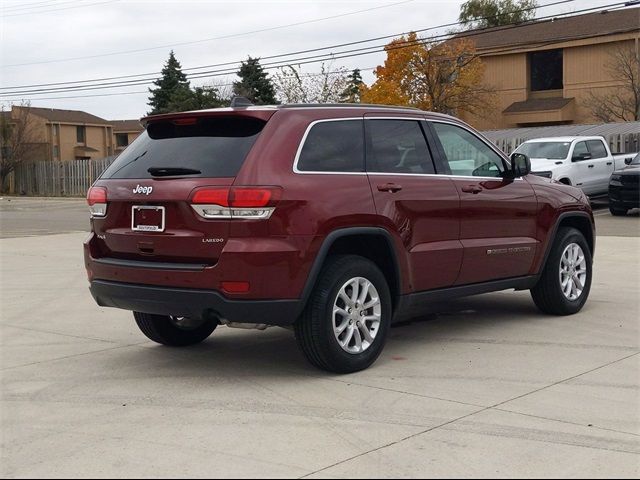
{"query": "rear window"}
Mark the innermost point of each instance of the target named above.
(333, 146)
(217, 147)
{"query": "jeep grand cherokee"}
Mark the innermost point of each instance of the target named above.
(335, 220)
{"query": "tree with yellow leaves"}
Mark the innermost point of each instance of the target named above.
(444, 77)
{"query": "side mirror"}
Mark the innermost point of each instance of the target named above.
(520, 165)
(627, 161)
(581, 156)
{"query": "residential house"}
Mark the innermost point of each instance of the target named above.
(125, 132)
(66, 134)
(544, 71)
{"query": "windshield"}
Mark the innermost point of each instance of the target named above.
(208, 147)
(636, 160)
(551, 150)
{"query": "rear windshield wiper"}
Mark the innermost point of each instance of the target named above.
(172, 171)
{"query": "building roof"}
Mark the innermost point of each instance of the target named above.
(126, 126)
(538, 105)
(68, 116)
(573, 27)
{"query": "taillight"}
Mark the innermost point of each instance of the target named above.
(248, 197)
(250, 203)
(97, 200)
(211, 196)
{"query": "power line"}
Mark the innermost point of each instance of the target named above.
(235, 35)
(59, 9)
(395, 47)
(139, 92)
(37, 5)
(268, 66)
(271, 57)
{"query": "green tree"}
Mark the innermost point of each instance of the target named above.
(254, 83)
(198, 98)
(494, 13)
(172, 85)
(351, 94)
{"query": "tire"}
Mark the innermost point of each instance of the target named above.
(314, 329)
(165, 330)
(548, 294)
(618, 212)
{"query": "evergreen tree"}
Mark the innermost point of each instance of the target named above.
(254, 83)
(172, 85)
(199, 98)
(351, 94)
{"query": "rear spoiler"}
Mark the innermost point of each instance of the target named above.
(261, 113)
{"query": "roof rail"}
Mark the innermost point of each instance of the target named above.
(346, 105)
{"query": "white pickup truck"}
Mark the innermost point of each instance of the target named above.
(584, 162)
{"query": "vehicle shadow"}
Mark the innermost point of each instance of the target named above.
(274, 353)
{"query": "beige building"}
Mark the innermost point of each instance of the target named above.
(67, 134)
(125, 132)
(543, 72)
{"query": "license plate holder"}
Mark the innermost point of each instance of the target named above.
(147, 218)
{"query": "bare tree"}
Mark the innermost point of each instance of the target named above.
(292, 86)
(18, 139)
(622, 103)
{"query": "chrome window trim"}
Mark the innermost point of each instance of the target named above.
(418, 118)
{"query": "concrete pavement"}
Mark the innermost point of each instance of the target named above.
(485, 387)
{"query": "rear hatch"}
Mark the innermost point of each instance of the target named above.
(150, 188)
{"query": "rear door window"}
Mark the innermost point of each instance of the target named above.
(597, 149)
(216, 147)
(333, 146)
(397, 146)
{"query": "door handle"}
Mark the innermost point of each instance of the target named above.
(609, 163)
(591, 166)
(472, 189)
(389, 187)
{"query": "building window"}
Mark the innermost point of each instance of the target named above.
(546, 70)
(55, 130)
(56, 151)
(122, 140)
(81, 134)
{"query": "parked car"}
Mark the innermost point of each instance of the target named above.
(336, 220)
(584, 162)
(624, 188)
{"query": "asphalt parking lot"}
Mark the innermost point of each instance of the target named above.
(483, 387)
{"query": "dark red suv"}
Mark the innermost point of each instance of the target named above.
(336, 220)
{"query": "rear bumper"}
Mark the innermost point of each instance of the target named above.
(193, 303)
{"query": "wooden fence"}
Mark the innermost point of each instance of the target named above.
(56, 179)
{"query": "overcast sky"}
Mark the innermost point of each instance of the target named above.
(44, 41)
